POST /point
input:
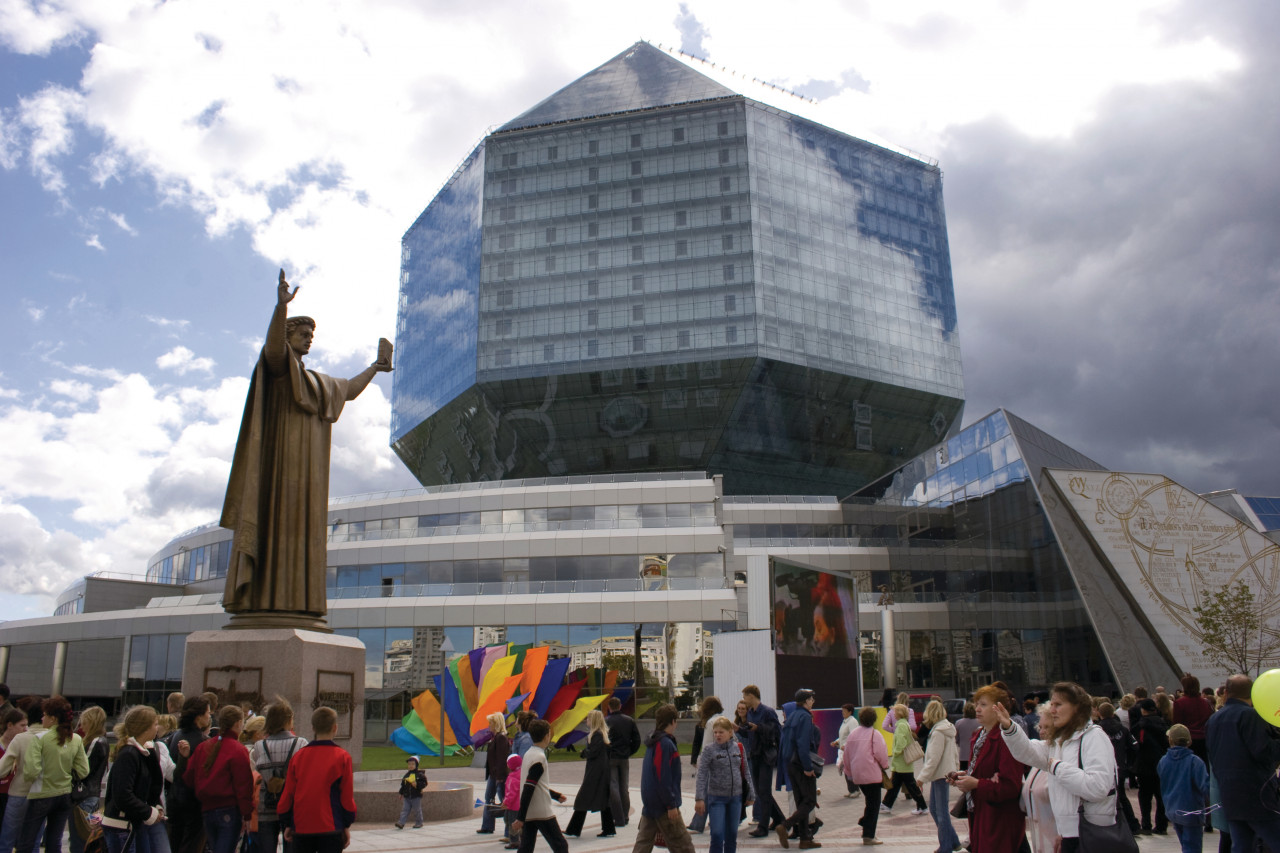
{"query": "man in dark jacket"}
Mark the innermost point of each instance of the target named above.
(624, 740)
(1152, 733)
(660, 788)
(762, 751)
(1126, 750)
(1244, 753)
(800, 737)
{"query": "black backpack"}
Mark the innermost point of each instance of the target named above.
(273, 775)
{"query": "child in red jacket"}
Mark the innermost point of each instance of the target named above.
(220, 774)
(318, 803)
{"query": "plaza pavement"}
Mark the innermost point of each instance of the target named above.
(899, 830)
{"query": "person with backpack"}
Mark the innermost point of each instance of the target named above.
(318, 804)
(271, 757)
(412, 784)
(1152, 733)
(723, 784)
(1126, 749)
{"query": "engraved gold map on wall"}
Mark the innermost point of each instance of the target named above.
(1172, 548)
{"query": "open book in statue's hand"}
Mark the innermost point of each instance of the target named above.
(385, 349)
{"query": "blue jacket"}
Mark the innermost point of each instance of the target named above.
(660, 776)
(765, 735)
(1244, 751)
(799, 737)
(1184, 785)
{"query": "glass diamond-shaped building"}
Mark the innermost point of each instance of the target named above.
(649, 271)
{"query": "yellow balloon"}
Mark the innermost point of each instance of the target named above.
(1266, 696)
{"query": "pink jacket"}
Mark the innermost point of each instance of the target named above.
(865, 757)
(511, 793)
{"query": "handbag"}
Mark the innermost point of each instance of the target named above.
(818, 763)
(913, 752)
(1116, 838)
(961, 808)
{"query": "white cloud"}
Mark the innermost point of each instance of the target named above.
(81, 392)
(36, 561)
(35, 312)
(49, 117)
(122, 224)
(167, 323)
(183, 361)
(94, 243)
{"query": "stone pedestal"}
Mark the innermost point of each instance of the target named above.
(253, 666)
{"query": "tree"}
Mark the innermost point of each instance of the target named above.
(1232, 630)
(625, 664)
(702, 667)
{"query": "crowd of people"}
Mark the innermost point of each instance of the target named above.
(1047, 774)
(170, 783)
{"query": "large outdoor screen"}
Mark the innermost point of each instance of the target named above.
(815, 633)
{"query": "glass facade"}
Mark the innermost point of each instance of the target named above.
(154, 668)
(662, 275)
(970, 534)
(1267, 510)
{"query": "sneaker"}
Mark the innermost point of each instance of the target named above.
(417, 826)
(919, 811)
(606, 835)
(885, 809)
(399, 826)
(870, 841)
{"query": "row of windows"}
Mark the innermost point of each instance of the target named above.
(613, 228)
(639, 169)
(660, 514)
(620, 317)
(206, 561)
(664, 194)
(612, 140)
(638, 253)
(531, 569)
(628, 345)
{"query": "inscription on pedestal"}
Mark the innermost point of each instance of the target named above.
(336, 690)
(235, 685)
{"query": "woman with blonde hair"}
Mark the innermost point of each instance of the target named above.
(941, 759)
(85, 793)
(593, 796)
(495, 771)
(710, 709)
(902, 773)
(132, 813)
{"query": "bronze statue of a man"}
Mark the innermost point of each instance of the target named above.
(278, 495)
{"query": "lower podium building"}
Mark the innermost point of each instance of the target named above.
(998, 554)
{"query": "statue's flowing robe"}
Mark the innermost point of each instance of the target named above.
(278, 495)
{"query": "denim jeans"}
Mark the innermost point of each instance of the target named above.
(939, 792)
(723, 814)
(412, 807)
(88, 806)
(1190, 837)
(138, 839)
(222, 829)
(15, 811)
(269, 833)
(488, 816)
(51, 813)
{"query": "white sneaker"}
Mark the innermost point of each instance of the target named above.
(919, 811)
(885, 809)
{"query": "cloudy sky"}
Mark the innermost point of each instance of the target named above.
(1111, 188)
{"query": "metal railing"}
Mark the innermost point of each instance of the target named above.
(526, 588)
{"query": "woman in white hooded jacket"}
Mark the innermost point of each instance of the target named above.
(1078, 757)
(941, 757)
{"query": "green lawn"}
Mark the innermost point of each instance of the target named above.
(392, 758)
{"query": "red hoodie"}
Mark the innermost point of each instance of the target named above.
(228, 783)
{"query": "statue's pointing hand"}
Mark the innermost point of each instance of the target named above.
(283, 294)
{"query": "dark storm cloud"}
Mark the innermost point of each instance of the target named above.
(1120, 288)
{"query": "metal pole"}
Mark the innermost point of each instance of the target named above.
(59, 668)
(4, 663)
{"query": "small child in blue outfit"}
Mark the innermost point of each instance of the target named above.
(1184, 784)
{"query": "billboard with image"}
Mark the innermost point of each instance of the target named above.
(815, 633)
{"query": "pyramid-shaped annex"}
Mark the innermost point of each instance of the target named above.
(641, 77)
